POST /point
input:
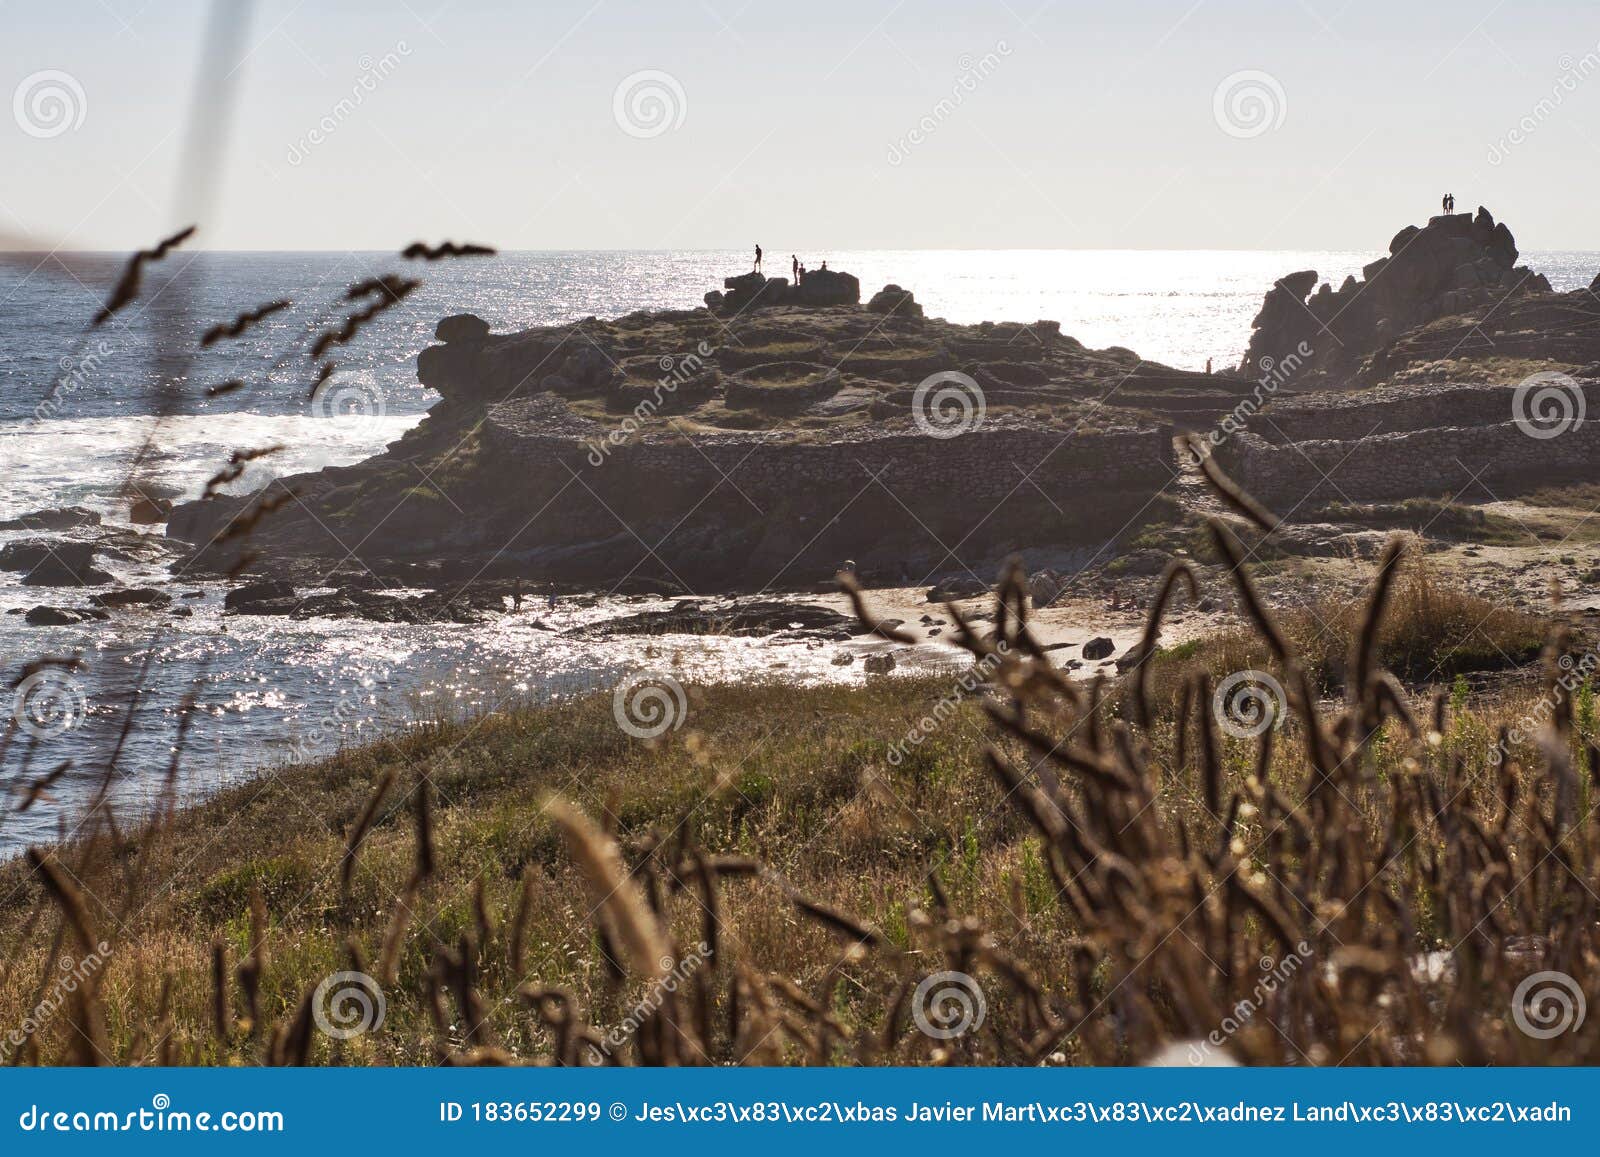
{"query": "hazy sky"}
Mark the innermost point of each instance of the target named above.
(809, 124)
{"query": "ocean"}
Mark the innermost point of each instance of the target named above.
(269, 690)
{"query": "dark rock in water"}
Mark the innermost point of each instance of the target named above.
(461, 327)
(43, 616)
(1099, 647)
(54, 563)
(880, 664)
(745, 618)
(132, 597)
(59, 518)
(714, 299)
(146, 511)
(24, 554)
(266, 597)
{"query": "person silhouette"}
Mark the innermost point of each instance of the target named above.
(1444, 203)
(794, 268)
(758, 259)
(824, 267)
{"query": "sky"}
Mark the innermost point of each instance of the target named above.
(666, 124)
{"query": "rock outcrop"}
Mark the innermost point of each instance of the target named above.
(819, 289)
(54, 563)
(1456, 262)
(727, 452)
(892, 299)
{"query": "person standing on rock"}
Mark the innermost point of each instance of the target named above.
(757, 268)
(794, 268)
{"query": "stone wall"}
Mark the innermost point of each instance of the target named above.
(1471, 462)
(887, 496)
(1392, 409)
(982, 466)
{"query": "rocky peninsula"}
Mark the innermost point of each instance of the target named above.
(758, 444)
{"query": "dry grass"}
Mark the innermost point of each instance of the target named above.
(1110, 885)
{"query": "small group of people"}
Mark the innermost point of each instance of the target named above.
(797, 270)
(1449, 202)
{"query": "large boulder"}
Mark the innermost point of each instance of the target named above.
(148, 511)
(266, 597)
(59, 518)
(42, 616)
(461, 327)
(823, 287)
(892, 299)
(53, 563)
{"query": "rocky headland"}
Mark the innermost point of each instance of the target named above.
(760, 443)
